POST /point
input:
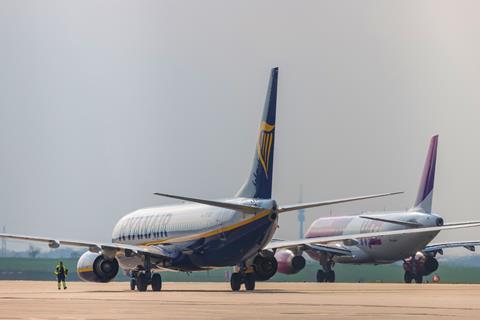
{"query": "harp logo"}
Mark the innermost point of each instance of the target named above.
(264, 145)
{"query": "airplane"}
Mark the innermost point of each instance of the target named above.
(419, 257)
(205, 234)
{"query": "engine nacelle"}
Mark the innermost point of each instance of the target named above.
(265, 265)
(288, 262)
(95, 267)
(430, 265)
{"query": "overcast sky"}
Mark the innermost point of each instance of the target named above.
(103, 103)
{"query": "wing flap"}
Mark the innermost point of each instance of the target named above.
(329, 249)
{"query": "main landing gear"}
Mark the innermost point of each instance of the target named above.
(142, 276)
(327, 274)
(418, 266)
(245, 276)
(238, 278)
(408, 277)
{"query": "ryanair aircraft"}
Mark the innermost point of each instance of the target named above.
(206, 234)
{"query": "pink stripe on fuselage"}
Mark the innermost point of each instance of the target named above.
(326, 227)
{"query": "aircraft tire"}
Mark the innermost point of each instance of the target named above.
(142, 282)
(330, 276)
(235, 281)
(418, 279)
(321, 276)
(133, 284)
(408, 277)
(156, 282)
(249, 281)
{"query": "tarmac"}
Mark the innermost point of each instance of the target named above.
(37, 300)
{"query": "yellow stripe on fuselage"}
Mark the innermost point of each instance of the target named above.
(88, 269)
(210, 233)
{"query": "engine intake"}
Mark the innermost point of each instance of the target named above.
(95, 267)
(288, 262)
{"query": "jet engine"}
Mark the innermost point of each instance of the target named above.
(265, 265)
(430, 265)
(288, 262)
(95, 267)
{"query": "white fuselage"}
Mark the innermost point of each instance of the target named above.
(385, 249)
(185, 232)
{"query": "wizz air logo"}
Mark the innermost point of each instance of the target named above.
(264, 145)
(371, 226)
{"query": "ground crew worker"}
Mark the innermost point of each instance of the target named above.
(61, 272)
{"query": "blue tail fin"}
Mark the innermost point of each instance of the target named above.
(259, 181)
(425, 190)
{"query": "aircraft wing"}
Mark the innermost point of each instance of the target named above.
(438, 247)
(108, 248)
(351, 238)
(332, 249)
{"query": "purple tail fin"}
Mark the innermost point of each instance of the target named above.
(425, 190)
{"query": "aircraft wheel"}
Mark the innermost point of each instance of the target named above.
(235, 281)
(330, 276)
(418, 279)
(249, 281)
(142, 282)
(320, 276)
(133, 284)
(156, 282)
(408, 277)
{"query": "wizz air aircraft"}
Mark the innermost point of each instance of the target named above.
(207, 234)
(414, 249)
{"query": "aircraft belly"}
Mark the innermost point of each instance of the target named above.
(228, 248)
(393, 248)
(380, 250)
(129, 263)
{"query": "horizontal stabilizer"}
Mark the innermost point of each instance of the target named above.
(330, 202)
(220, 204)
(402, 223)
